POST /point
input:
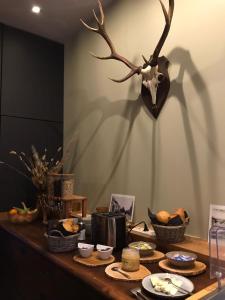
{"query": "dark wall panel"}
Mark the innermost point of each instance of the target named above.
(1, 26)
(31, 107)
(19, 134)
(32, 76)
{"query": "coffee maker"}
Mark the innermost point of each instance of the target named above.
(109, 229)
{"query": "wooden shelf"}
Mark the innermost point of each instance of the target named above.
(70, 198)
(69, 201)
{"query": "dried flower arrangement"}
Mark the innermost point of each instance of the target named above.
(37, 166)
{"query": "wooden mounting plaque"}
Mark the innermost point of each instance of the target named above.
(134, 276)
(93, 260)
(157, 255)
(198, 268)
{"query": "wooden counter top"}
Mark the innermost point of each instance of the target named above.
(192, 244)
(32, 235)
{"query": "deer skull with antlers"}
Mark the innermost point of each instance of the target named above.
(154, 72)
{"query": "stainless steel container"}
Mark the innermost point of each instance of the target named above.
(109, 229)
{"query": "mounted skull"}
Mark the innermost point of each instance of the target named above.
(155, 77)
(151, 78)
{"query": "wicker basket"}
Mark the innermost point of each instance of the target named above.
(169, 234)
(61, 243)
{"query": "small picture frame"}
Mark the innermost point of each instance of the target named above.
(122, 204)
(216, 215)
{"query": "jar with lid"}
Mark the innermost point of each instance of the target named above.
(130, 260)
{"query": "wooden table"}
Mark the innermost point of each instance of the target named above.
(48, 276)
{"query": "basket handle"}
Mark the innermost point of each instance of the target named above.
(57, 231)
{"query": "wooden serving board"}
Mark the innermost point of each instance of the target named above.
(93, 260)
(157, 255)
(134, 276)
(198, 268)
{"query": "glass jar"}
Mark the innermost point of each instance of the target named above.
(60, 185)
(130, 260)
(216, 251)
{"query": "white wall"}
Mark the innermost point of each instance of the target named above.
(114, 144)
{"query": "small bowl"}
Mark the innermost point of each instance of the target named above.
(144, 248)
(103, 251)
(23, 218)
(181, 258)
(85, 250)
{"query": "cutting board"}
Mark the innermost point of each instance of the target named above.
(93, 260)
(134, 276)
(198, 268)
(157, 255)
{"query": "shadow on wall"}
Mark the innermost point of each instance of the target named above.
(127, 109)
(182, 57)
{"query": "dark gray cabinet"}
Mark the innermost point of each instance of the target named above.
(32, 76)
(1, 26)
(27, 275)
(31, 106)
(19, 134)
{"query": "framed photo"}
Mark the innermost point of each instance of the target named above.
(123, 204)
(217, 215)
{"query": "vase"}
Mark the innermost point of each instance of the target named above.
(42, 206)
(49, 208)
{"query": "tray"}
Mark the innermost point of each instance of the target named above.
(157, 255)
(198, 268)
(93, 260)
(134, 276)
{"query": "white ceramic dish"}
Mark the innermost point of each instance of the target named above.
(186, 284)
(144, 248)
(85, 250)
(104, 251)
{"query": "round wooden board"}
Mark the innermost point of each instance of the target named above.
(93, 260)
(134, 276)
(157, 255)
(198, 268)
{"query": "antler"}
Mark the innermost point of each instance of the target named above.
(114, 55)
(168, 18)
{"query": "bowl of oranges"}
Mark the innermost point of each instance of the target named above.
(22, 215)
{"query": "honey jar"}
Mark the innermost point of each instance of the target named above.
(130, 260)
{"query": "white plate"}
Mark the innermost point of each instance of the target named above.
(186, 284)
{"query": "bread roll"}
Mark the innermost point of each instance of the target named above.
(181, 213)
(163, 216)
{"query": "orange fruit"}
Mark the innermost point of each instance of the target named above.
(13, 211)
(163, 216)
